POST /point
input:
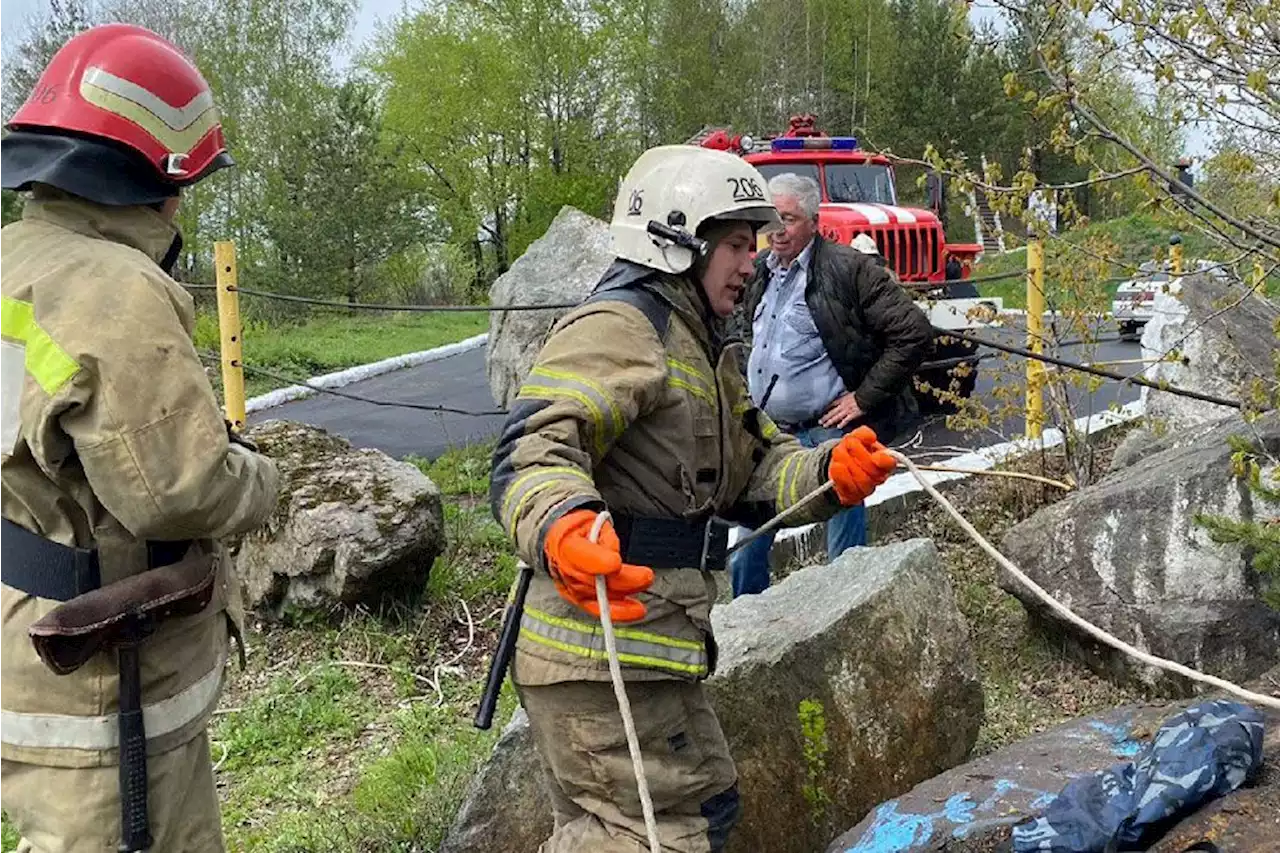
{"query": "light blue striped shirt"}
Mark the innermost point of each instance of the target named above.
(785, 341)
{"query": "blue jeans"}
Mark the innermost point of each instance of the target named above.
(846, 529)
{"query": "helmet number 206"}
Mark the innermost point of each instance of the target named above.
(746, 189)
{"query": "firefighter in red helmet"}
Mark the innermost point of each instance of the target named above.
(119, 473)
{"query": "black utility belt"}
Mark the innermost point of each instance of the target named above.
(46, 569)
(793, 428)
(673, 543)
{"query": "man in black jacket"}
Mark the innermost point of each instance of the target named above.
(835, 341)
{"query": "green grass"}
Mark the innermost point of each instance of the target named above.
(8, 835)
(462, 472)
(351, 765)
(328, 343)
(1072, 276)
(356, 734)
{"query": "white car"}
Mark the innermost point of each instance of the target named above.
(1132, 306)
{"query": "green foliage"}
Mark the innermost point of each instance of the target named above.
(1074, 277)
(10, 206)
(479, 559)
(9, 837)
(338, 755)
(1258, 534)
(813, 734)
(422, 172)
(1239, 180)
(350, 203)
(298, 713)
(462, 472)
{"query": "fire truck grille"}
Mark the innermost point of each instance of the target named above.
(913, 252)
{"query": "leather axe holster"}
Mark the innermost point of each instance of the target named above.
(119, 617)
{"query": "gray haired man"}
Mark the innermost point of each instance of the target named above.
(842, 339)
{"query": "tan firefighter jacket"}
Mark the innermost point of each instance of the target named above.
(632, 405)
(112, 436)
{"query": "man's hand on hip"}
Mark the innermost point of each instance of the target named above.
(841, 413)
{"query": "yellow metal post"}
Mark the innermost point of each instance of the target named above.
(1035, 338)
(224, 259)
(1175, 254)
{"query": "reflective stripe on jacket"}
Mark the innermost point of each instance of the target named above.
(634, 405)
(112, 436)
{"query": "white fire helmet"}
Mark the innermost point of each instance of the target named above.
(671, 191)
(865, 244)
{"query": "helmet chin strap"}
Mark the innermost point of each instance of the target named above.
(171, 257)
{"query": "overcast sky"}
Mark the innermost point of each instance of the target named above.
(13, 13)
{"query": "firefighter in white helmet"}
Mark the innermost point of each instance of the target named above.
(865, 244)
(636, 405)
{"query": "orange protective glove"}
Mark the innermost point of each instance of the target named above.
(575, 562)
(858, 464)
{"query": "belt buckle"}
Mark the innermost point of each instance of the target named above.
(708, 531)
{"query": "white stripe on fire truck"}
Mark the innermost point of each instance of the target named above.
(904, 216)
(871, 212)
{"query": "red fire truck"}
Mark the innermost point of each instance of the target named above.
(859, 197)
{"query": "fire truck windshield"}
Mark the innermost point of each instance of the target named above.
(859, 182)
(772, 170)
(846, 182)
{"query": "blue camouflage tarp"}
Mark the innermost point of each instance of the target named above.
(1200, 754)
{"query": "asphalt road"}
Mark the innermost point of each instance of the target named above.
(460, 382)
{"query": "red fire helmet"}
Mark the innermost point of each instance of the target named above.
(127, 85)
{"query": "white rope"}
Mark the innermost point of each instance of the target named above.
(776, 522)
(624, 704)
(1066, 613)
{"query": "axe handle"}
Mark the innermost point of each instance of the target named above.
(134, 824)
(503, 653)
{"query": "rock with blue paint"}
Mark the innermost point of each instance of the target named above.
(972, 808)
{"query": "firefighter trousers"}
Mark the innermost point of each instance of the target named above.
(77, 809)
(580, 738)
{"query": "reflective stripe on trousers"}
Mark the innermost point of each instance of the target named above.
(64, 731)
(635, 648)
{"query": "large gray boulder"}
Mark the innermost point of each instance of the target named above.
(506, 807)
(839, 687)
(352, 526)
(842, 686)
(560, 267)
(1128, 555)
(1227, 351)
